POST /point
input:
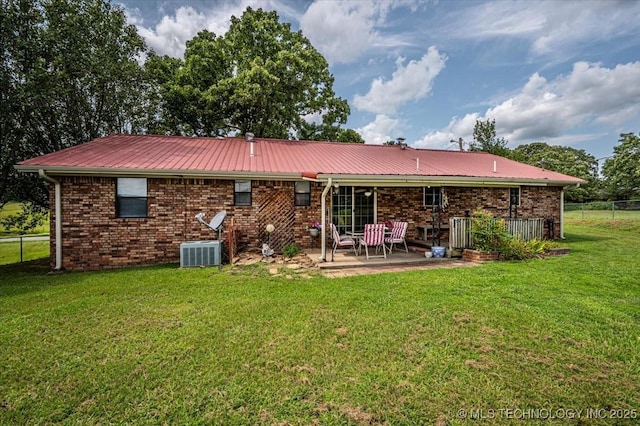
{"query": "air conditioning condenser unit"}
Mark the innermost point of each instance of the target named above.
(200, 253)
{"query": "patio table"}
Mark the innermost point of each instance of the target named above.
(356, 239)
(357, 235)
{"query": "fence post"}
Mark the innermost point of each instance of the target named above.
(20, 248)
(582, 208)
(613, 210)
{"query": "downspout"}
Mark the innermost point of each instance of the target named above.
(562, 214)
(58, 212)
(323, 239)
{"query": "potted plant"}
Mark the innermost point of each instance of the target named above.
(314, 228)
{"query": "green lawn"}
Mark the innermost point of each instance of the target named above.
(197, 346)
(31, 250)
(603, 214)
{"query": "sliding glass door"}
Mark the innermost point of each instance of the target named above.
(351, 208)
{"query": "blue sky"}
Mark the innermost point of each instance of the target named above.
(561, 72)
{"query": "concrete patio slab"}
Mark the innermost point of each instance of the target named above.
(346, 260)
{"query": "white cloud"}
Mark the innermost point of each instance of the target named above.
(568, 24)
(494, 19)
(408, 83)
(341, 31)
(344, 30)
(457, 128)
(380, 130)
(546, 110)
(169, 36)
(590, 92)
(552, 28)
(172, 32)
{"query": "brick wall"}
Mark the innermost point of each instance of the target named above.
(94, 238)
(405, 204)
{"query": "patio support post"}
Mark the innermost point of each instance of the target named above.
(562, 214)
(58, 210)
(323, 237)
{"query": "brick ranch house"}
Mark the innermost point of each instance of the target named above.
(125, 200)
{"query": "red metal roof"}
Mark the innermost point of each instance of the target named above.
(188, 155)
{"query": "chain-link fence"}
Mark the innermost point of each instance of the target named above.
(23, 248)
(628, 209)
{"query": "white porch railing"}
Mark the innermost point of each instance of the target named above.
(527, 229)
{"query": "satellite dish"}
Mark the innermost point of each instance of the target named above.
(217, 220)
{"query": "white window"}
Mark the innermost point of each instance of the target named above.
(303, 193)
(432, 196)
(242, 193)
(131, 197)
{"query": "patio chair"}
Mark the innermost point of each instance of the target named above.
(398, 232)
(373, 237)
(341, 241)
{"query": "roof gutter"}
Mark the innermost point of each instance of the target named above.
(418, 180)
(58, 215)
(150, 173)
(345, 179)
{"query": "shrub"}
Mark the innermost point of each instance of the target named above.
(518, 249)
(290, 250)
(488, 233)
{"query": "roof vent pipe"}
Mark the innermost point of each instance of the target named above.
(495, 166)
(401, 143)
(249, 136)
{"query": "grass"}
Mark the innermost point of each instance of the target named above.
(603, 214)
(31, 250)
(200, 346)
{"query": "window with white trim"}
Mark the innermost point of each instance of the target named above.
(131, 197)
(302, 193)
(242, 193)
(432, 196)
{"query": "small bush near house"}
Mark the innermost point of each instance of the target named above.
(488, 232)
(517, 249)
(290, 250)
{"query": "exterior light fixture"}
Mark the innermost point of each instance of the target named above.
(269, 228)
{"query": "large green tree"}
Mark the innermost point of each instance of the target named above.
(622, 171)
(157, 116)
(69, 74)
(567, 160)
(485, 139)
(260, 77)
(320, 132)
